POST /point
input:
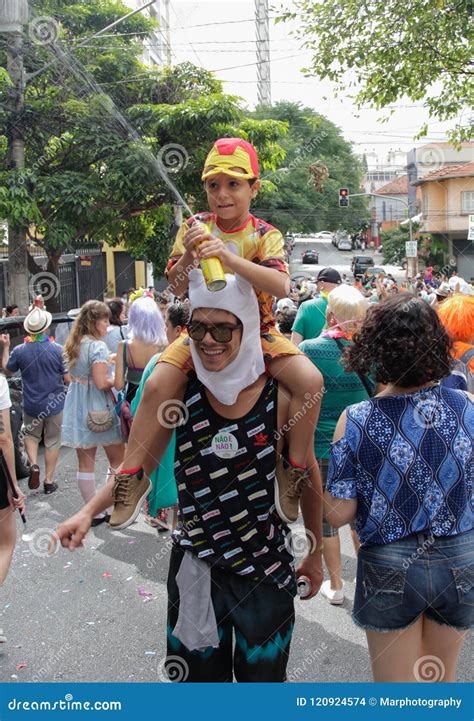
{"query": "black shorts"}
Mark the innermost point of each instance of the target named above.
(4, 503)
(261, 616)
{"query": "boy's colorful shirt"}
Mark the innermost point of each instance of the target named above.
(256, 240)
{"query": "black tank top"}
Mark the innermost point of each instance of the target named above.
(225, 472)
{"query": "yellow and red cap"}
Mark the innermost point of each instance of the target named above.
(227, 154)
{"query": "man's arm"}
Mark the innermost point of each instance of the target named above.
(311, 503)
(5, 339)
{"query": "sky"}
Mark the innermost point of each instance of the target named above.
(220, 36)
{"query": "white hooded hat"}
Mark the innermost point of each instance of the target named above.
(238, 298)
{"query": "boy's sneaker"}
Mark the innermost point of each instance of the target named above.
(289, 483)
(129, 492)
(335, 597)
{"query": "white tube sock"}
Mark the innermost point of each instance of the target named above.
(86, 483)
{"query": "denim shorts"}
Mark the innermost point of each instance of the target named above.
(420, 574)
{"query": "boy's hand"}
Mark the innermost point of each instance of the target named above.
(215, 248)
(193, 237)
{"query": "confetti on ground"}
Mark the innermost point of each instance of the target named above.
(90, 623)
(143, 593)
(66, 590)
(14, 676)
(68, 564)
(150, 653)
(103, 590)
(129, 578)
(130, 542)
(7, 605)
(19, 666)
(106, 574)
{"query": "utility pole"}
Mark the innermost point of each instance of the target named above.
(167, 34)
(263, 52)
(13, 15)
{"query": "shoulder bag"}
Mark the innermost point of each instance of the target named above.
(98, 421)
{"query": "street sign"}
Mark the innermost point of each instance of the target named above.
(470, 232)
(411, 249)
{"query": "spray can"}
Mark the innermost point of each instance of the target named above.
(212, 269)
(303, 586)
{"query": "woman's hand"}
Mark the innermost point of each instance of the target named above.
(19, 501)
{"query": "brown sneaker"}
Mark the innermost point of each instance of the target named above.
(34, 477)
(129, 492)
(289, 484)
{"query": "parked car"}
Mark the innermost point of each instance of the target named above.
(344, 244)
(361, 263)
(325, 235)
(310, 257)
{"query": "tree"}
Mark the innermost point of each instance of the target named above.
(387, 51)
(92, 122)
(314, 148)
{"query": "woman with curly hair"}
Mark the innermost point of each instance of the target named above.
(87, 358)
(402, 465)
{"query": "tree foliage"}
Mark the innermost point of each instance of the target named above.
(93, 121)
(298, 205)
(385, 51)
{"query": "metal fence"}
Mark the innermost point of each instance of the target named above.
(81, 277)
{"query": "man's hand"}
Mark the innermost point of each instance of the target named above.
(5, 340)
(72, 532)
(215, 248)
(312, 567)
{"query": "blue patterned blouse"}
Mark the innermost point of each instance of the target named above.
(409, 461)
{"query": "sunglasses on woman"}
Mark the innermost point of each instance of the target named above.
(220, 332)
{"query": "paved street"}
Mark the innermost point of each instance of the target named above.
(329, 255)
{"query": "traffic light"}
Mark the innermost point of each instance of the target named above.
(343, 197)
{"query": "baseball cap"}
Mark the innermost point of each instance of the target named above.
(227, 154)
(329, 275)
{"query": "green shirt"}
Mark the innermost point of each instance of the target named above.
(163, 492)
(341, 389)
(311, 318)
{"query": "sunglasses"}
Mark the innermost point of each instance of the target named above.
(221, 332)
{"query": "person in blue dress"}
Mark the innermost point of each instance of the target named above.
(402, 465)
(87, 360)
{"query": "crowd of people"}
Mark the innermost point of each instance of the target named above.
(348, 401)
